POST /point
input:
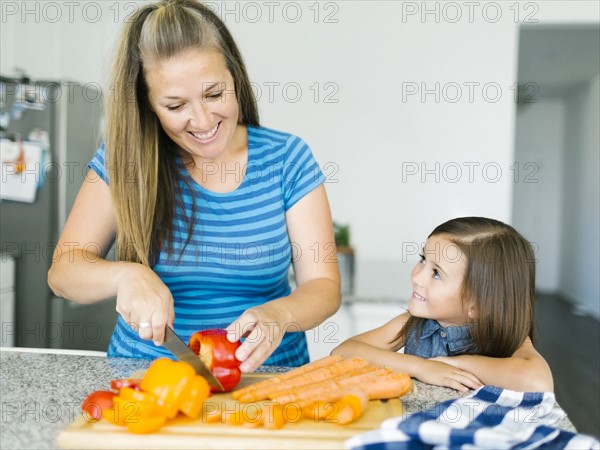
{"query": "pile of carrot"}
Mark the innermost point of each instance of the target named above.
(331, 389)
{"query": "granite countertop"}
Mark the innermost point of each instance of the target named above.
(373, 299)
(42, 393)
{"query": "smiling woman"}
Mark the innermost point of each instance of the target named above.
(205, 204)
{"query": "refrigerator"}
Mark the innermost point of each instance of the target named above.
(51, 129)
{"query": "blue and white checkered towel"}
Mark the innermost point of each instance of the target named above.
(489, 418)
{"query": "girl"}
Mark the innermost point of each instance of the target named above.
(470, 316)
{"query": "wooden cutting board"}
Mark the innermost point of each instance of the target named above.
(184, 433)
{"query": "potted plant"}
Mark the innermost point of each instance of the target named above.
(345, 254)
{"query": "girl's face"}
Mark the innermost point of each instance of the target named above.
(437, 281)
(193, 96)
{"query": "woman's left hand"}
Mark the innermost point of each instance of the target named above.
(263, 328)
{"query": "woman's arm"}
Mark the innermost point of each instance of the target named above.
(80, 273)
(318, 293)
(310, 228)
(526, 370)
(379, 347)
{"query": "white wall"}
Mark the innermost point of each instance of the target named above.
(371, 137)
(397, 164)
(59, 40)
(579, 281)
(538, 184)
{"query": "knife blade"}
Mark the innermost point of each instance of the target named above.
(182, 352)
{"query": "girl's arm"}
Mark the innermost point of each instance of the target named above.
(526, 370)
(317, 296)
(379, 347)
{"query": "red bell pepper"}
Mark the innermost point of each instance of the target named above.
(218, 354)
(95, 403)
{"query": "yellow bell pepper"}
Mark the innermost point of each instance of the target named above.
(192, 405)
(170, 382)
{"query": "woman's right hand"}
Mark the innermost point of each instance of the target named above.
(144, 301)
(442, 374)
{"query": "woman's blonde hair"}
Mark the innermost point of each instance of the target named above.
(499, 282)
(141, 159)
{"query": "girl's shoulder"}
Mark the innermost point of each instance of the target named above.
(398, 322)
(402, 318)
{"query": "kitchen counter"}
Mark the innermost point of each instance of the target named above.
(42, 392)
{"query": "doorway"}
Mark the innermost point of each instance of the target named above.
(556, 168)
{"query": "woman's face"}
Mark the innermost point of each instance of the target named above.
(193, 96)
(437, 281)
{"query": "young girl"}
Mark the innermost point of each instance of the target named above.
(470, 316)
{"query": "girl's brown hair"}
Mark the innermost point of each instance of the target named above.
(141, 159)
(499, 282)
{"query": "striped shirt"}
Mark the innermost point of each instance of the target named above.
(239, 254)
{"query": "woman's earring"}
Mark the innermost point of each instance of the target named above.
(470, 313)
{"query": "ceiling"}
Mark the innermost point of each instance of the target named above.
(558, 58)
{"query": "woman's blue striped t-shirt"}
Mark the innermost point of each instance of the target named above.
(240, 253)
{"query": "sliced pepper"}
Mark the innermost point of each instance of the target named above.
(136, 395)
(144, 405)
(118, 384)
(138, 416)
(122, 412)
(192, 405)
(95, 403)
(146, 425)
(218, 354)
(170, 382)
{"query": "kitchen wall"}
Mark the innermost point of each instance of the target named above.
(408, 106)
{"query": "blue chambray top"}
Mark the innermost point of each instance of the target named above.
(436, 340)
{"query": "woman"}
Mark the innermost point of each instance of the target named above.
(204, 203)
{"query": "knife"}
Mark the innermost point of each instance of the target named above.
(182, 352)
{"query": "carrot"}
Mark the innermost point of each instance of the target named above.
(382, 383)
(234, 418)
(320, 410)
(323, 362)
(331, 390)
(273, 417)
(282, 392)
(395, 384)
(345, 410)
(246, 418)
(313, 376)
(211, 412)
(253, 422)
(214, 416)
(351, 407)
